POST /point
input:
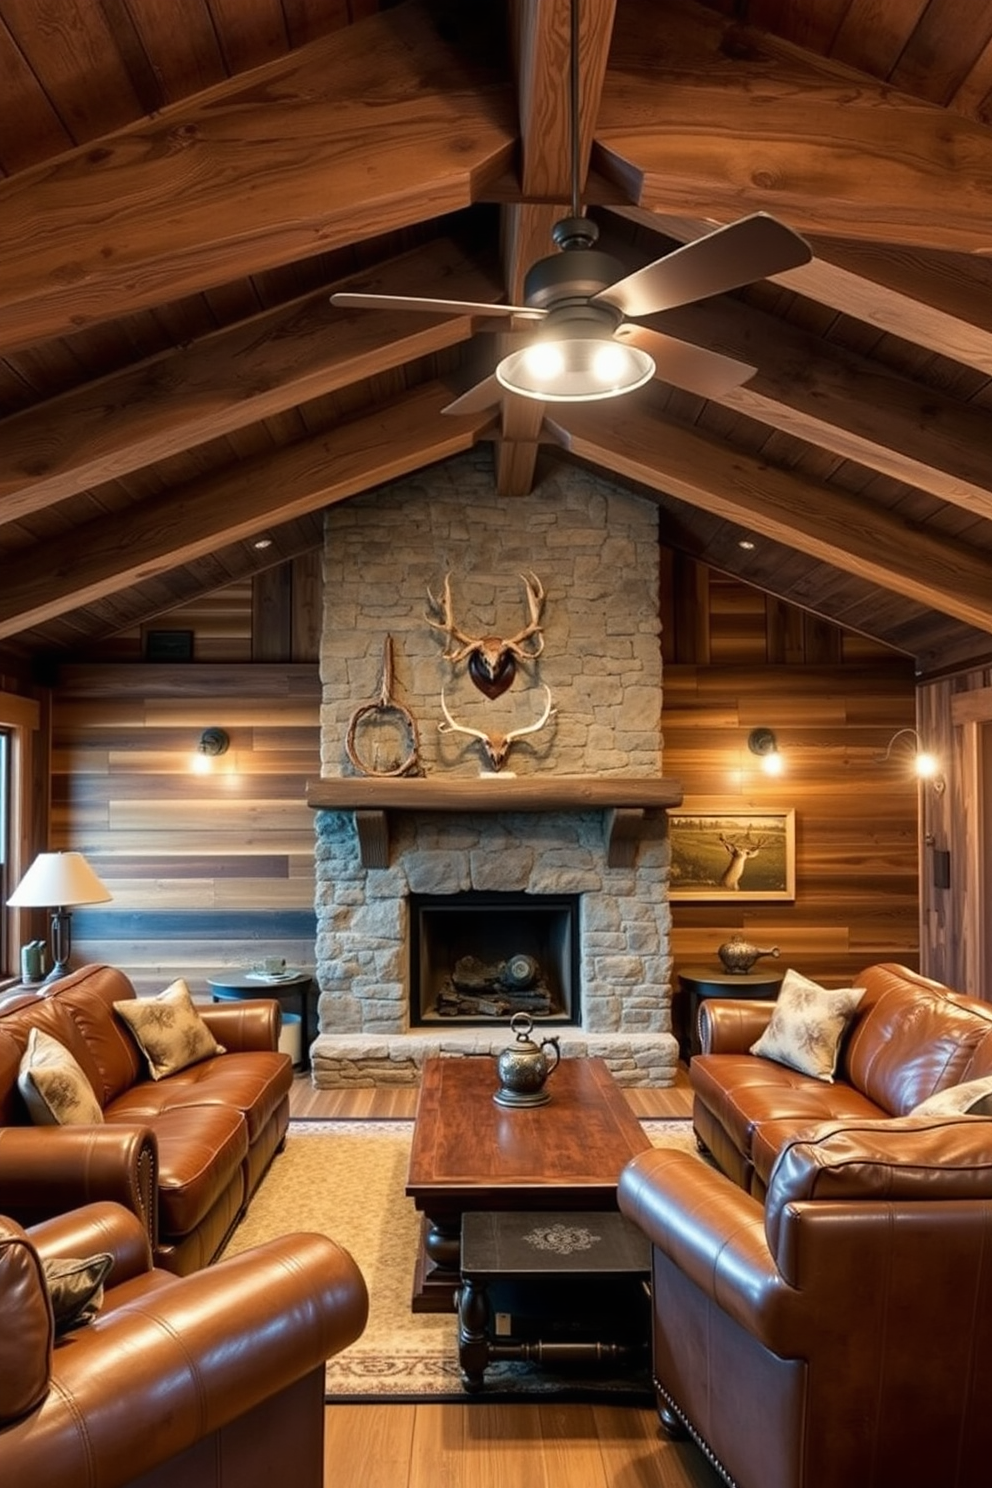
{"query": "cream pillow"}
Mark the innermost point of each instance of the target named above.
(808, 1023)
(168, 1030)
(973, 1098)
(54, 1085)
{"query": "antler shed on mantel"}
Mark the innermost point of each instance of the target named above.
(496, 747)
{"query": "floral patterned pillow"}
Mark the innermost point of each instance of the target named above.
(54, 1085)
(808, 1023)
(168, 1030)
(973, 1098)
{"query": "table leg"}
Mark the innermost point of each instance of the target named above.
(473, 1342)
(437, 1276)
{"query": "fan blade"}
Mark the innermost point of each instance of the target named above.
(693, 368)
(753, 248)
(486, 394)
(344, 300)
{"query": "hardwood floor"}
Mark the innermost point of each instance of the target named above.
(400, 1102)
(478, 1445)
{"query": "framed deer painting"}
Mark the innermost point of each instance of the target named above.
(732, 855)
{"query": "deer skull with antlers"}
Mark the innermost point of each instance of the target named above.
(495, 747)
(492, 661)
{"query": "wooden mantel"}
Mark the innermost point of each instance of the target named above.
(623, 798)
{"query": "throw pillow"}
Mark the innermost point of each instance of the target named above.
(54, 1085)
(169, 1030)
(973, 1098)
(808, 1023)
(76, 1289)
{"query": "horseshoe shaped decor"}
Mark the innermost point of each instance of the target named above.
(384, 709)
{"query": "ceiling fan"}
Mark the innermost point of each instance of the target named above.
(587, 345)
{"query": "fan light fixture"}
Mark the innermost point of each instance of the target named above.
(574, 361)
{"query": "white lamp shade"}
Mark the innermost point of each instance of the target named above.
(58, 879)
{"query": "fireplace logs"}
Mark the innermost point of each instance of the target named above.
(494, 989)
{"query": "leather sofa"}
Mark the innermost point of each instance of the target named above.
(839, 1333)
(184, 1152)
(176, 1380)
(909, 1038)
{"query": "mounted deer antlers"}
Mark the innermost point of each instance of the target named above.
(496, 747)
(492, 661)
(740, 849)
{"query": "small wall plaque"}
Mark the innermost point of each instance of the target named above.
(169, 645)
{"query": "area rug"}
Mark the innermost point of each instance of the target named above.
(341, 1178)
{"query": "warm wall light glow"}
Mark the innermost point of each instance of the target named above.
(773, 764)
(926, 765)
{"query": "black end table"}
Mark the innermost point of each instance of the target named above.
(238, 985)
(562, 1287)
(700, 982)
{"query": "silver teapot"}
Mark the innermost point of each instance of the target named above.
(524, 1067)
(739, 955)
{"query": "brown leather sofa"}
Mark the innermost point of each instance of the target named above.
(840, 1333)
(909, 1038)
(184, 1152)
(176, 1380)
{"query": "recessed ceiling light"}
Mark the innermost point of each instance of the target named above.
(261, 543)
(746, 544)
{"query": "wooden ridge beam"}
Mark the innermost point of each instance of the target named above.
(631, 440)
(703, 116)
(228, 380)
(541, 31)
(113, 552)
(382, 124)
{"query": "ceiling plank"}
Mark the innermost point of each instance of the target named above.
(629, 439)
(703, 116)
(228, 380)
(130, 546)
(377, 126)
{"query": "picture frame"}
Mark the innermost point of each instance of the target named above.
(733, 856)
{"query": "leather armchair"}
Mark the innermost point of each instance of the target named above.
(840, 1333)
(203, 1380)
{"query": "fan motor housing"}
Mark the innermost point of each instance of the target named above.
(576, 274)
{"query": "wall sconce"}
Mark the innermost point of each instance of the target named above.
(762, 742)
(57, 881)
(213, 743)
(926, 766)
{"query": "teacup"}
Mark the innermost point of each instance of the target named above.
(273, 965)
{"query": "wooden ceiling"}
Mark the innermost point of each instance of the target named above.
(185, 180)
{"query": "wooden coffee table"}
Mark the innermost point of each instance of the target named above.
(469, 1153)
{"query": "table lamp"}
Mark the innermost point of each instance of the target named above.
(58, 881)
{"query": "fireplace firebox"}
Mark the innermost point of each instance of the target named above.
(476, 957)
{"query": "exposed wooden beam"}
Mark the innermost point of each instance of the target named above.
(541, 31)
(229, 380)
(706, 117)
(110, 553)
(939, 300)
(854, 407)
(379, 125)
(630, 439)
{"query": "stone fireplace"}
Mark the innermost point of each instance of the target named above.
(575, 817)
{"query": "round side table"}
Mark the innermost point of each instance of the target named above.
(699, 982)
(236, 985)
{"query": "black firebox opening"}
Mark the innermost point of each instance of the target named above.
(475, 957)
